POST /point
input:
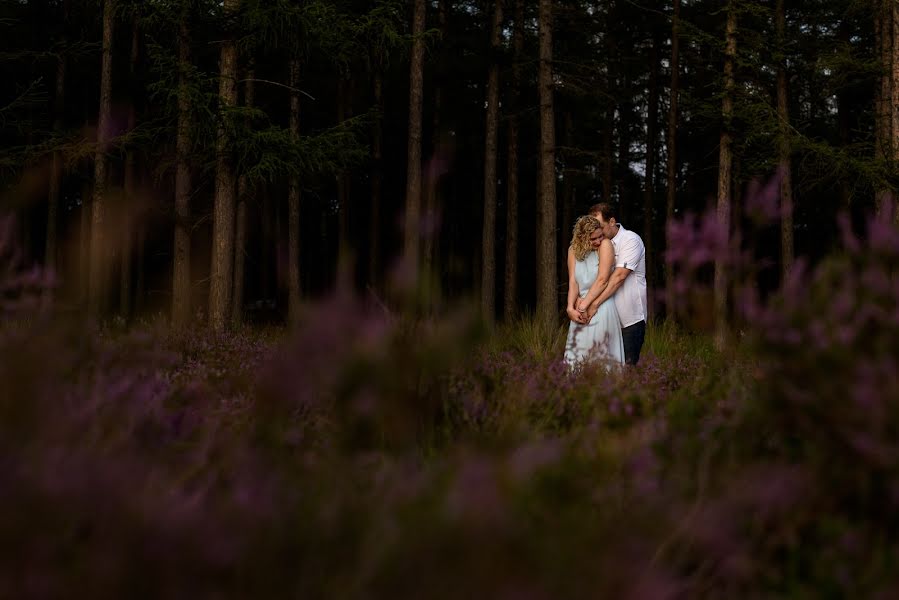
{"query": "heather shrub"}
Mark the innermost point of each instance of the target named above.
(374, 453)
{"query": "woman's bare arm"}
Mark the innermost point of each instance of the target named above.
(573, 290)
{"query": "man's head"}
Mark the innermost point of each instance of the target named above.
(605, 214)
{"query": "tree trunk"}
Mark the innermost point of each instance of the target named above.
(374, 217)
(649, 180)
(783, 117)
(181, 286)
(125, 270)
(568, 191)
(671, 139)
(225, 183)
(624, 150)
(98, 259)
(724, 173)
(240, 233)
(844, 110)
(413, 175)
(293, 204)
(432, 201)
(344, 237)
(893, 18)
(510, 296)
(547, 301)
(488, 233)
(52, 241)
(884, 116)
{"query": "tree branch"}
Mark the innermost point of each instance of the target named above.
(293, 89)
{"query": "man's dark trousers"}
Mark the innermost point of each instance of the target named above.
(633, 341)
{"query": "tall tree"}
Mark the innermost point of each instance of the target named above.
(893, 18)
(547, 301)
(491, 128)
(225, 181)
(344, 242)
(56, 168)
(377, 144)
(412, 237)
(510, 295)
(126, 256)
(181, 250)
(432, 200)
(240, 233)
(649, 181)
(784, 145)
(671, 138)
(883, 27)
(293, 201)
(724, 169)
(98, 260)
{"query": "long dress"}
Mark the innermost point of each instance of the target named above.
(600, 339)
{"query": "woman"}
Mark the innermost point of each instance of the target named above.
(591, 256)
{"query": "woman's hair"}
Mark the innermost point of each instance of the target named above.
(580, 237)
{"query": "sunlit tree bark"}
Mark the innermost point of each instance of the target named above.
(221, 281)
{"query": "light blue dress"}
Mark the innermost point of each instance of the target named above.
(600, 339)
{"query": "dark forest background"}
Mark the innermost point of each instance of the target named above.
(223, 161)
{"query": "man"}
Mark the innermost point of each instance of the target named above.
(627, 285)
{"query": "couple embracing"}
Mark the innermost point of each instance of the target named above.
(606, 290)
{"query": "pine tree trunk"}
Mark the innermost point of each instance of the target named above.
(181, 286)
(52, 241)
(624, 151)
(412, 236)
(724, 173)
(432, 200)
(844, 109)
(894, 101)
(293, 204)
(649, 181)
(671, 139)
(240, 233)
(374, 217)
(98, 261)
(547, 300)
(568, 192)
(488, 232)
(884, 119)
(221, 281)
(510, 295)
(783, 116)
(344, 236)
(125, 270)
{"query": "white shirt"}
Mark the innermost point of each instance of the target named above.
(630, 299)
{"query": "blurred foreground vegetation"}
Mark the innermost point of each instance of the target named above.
(368, 453)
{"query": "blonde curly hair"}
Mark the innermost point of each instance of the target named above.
(580, 236)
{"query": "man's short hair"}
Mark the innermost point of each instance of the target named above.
(606, 209)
